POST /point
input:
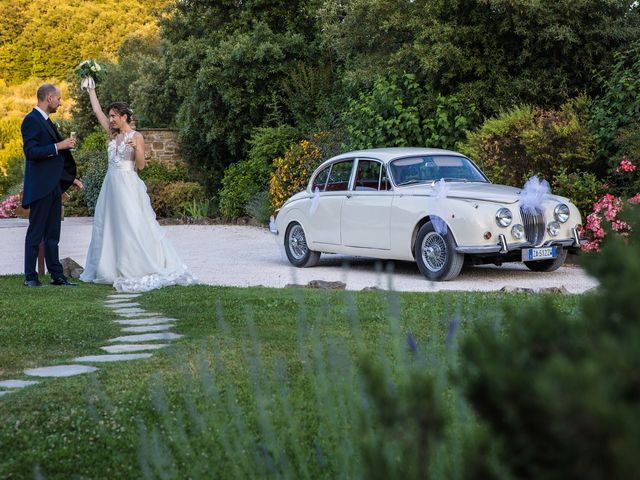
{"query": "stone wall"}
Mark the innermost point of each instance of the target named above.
(161, 145)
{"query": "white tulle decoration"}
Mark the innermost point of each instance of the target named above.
(315, 200)
(272, 224)
(440, 192)
(533, 195)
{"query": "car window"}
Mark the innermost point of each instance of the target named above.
(339, 176)
(431, 168)
(320, 181)
(367, 175)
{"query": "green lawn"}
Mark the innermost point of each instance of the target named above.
(258, 368)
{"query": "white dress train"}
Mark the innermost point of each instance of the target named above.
(128, 247)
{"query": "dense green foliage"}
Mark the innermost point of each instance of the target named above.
(560, 394)
(93, 166)
(385, 72)
(399, 112)
(244, 180)
(582, 188)
(376, 72)
(524, 141)
(491, 53)
(136, 57)
(47, 39)
(616, 113)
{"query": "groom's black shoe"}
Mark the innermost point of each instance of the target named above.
(62, 281)
(32, 283)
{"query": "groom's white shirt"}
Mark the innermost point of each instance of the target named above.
(46, 117)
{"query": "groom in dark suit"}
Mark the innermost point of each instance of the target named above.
(50, 170)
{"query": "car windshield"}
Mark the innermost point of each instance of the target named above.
(431, 168)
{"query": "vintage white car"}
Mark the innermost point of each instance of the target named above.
(431, 206)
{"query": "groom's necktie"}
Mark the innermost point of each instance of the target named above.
(55, 130)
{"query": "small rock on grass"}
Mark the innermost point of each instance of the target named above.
(512, 289)
(319, 284)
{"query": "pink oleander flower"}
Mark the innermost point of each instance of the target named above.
(626, 166)
(606, 210)
(8, 206)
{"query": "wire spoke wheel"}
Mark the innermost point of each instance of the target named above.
(434, 251)
(298, 242)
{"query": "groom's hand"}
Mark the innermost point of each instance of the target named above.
(66, 144)
(78, 184)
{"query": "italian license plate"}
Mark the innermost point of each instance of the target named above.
(529, 254)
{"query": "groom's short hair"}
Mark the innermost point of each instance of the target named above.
(45, 90)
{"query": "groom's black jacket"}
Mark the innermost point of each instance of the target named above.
(44, 168)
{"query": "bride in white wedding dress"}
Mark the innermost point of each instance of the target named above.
(128, 247)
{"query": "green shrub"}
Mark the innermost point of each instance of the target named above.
(157, 177)
(527, 140)
(164, 173)
(95, 141)
(582, 188)
(198, 209)
(615, 116)
(11, 176)
(292, 171)
(172, 199)
(559, 394)
(259, 207)
(75, 204)
(240, 183)
(400, 112)
(245, 179)
(93, 167)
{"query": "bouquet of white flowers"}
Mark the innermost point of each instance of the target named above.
(90, 68)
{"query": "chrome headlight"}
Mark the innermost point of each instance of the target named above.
(504, 217)
(561, 212)
(517, 231)
(553, 228)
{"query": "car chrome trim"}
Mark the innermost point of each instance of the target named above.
(503, 247)
(577, 242)
(503, 243)
(534, 225)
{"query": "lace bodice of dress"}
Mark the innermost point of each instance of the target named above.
(120, 154)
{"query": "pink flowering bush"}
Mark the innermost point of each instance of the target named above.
(625, 166)
(8, 206)
(607, 209)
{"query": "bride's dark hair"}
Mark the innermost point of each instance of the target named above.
(121, 108)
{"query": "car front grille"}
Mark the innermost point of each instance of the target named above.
(533, 226)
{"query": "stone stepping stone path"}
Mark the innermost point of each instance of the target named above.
(148, 328)
(147, 337)
(146, 321)
(137, 315)
(133, 347)
(145, 327)
(123, 305)
(17, 383)
(60, 371)
(112, 358)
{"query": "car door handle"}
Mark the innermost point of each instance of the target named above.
(349, 195)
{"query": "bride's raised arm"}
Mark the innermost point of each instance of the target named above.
(95, 105)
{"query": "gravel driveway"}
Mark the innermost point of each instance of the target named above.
(248, 256)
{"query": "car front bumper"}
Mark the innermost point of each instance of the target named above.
(504, 247)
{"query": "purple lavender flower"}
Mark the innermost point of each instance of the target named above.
(451, 332)
(411, 342)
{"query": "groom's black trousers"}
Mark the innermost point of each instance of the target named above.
(44, 226)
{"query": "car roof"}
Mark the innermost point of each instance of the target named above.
(388, 154)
